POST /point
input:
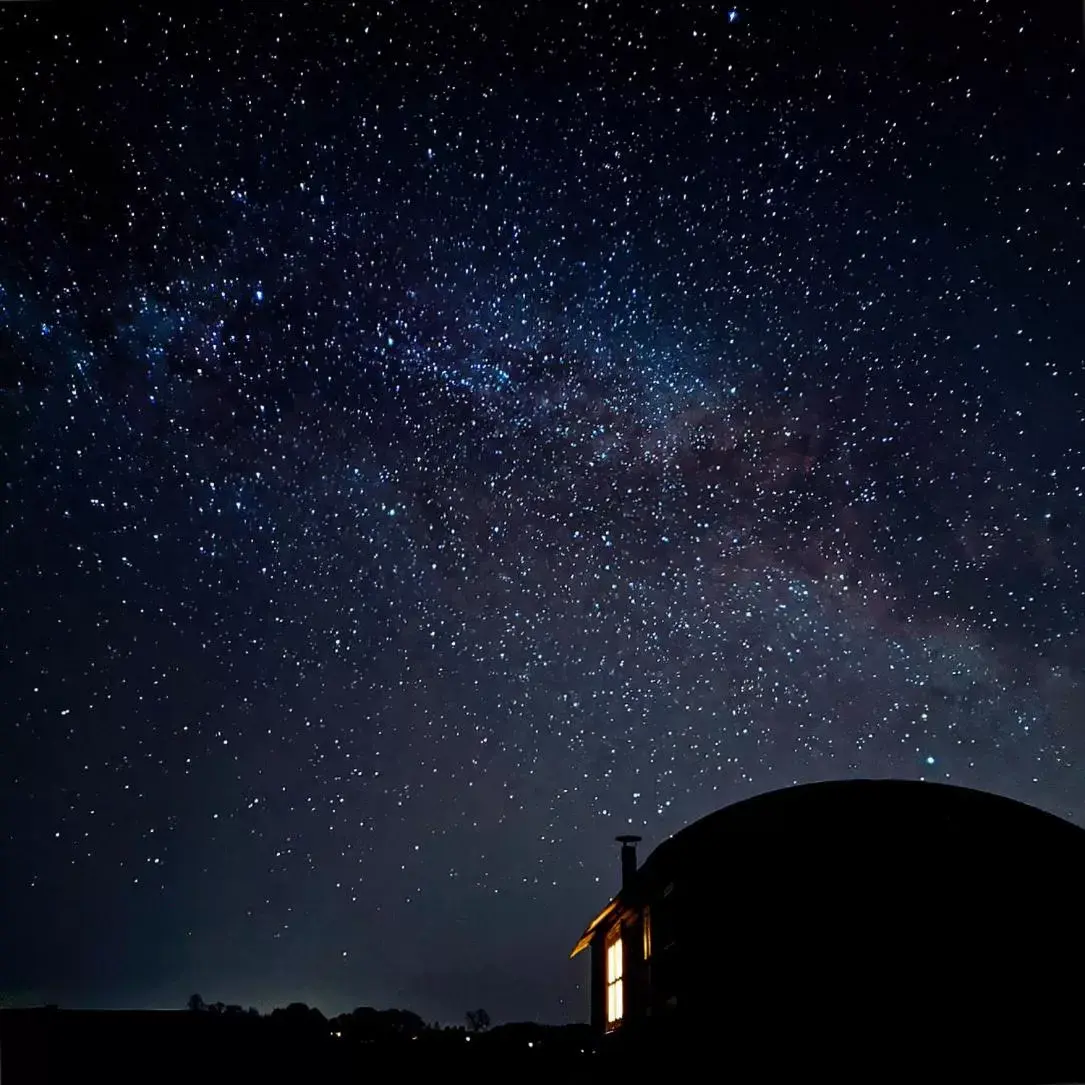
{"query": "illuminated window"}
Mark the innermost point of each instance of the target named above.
(615, 1007)
(647, 933)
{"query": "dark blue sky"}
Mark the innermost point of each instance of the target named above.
(437, 437)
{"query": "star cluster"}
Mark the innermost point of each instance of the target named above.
(437, 437)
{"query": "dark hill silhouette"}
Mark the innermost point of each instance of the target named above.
(212, 1042)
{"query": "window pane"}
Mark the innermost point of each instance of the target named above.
(614, 961)
(615, 1002)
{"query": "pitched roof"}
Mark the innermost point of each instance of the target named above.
(943, 820)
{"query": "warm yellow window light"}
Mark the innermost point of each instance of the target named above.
(614, 981)
(647, 934)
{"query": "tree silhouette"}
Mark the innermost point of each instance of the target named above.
(478, 1020)
(299, 1021)
(367, 1025)
(196, 1004)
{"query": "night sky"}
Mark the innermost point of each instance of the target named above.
(438, 437)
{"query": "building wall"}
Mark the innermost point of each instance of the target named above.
(599, 983)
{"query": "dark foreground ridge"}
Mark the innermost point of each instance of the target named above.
(296, 1044)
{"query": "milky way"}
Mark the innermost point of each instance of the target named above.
(437, 438)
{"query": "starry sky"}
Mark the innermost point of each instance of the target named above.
(436, 437)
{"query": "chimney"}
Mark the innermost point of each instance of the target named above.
(629, 858)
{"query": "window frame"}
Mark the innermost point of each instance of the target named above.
(615, 977)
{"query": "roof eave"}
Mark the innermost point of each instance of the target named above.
(593, 926)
